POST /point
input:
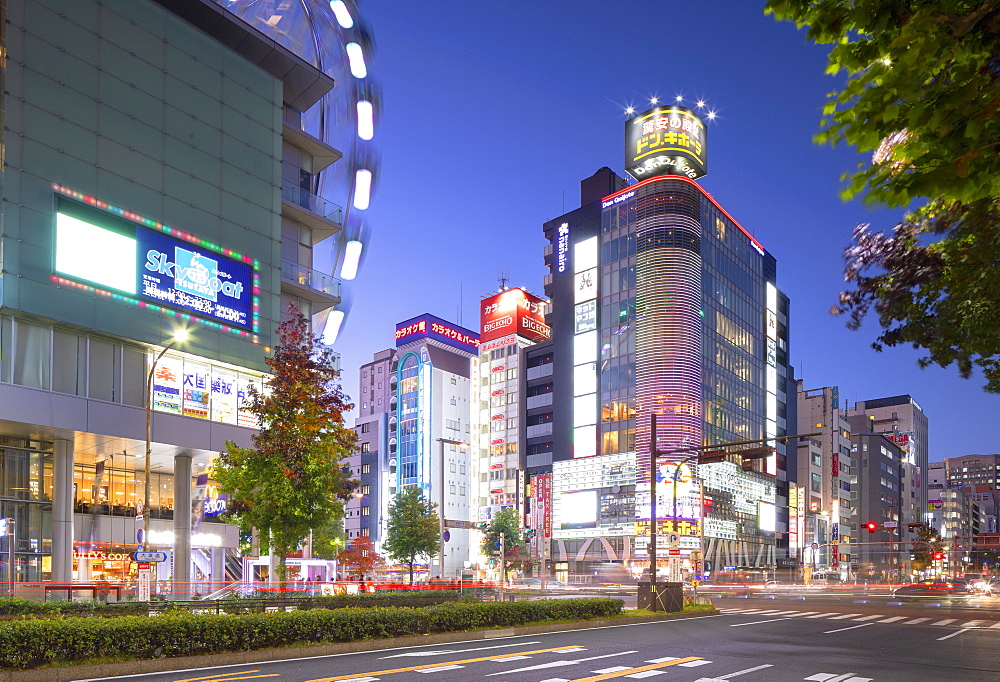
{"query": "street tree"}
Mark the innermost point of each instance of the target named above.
(925, 546)
(361, 557)
(413, 529)
(329, 538)
(292, 480)
(921, 92)
(505, 524)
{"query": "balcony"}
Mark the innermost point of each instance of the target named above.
(322, 153)
(539, 400)
(323, 217)
(321, 289)
(539, 430)
(540, 371)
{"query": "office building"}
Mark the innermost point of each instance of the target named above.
(904, 422)
(417, 401)
(879, 474)
(662, 305)
(821, 511)
(146, 149)
(511, 321)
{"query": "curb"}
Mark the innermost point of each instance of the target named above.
(82, 672)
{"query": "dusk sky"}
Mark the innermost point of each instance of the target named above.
(494, 112)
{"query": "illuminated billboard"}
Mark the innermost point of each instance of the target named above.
(428, 326)
(118, 254)
(578, 509)
(666, 140)
(514, 311)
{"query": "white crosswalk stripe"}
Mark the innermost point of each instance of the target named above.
(881, 615)
(879, 618)
(973, 624)
(822, 615)
(945, 621)
(995, 626)
(846, 615)
(893, 619)
(915, 621)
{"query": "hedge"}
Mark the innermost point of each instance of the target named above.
(31, 643)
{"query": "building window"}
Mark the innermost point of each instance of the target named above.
(366, 427)
(363, 533)
(366, 468)
(461, 468)
(451, 488)
(817, 483)
(367, 447)
(454, 380)
(461, 490)
(451, 468)
(380, 369)
(366, 490)
(366, 511)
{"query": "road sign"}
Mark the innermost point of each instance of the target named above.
(891, 524)
(450, 523)
(447, 535)
(675, 552)
(144, 577)
(149, 556)
(145, 567)
(815, 545)
(673, 538)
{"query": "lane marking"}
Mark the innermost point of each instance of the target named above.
(412, 668)
(846, 615)
(893, 619)
(945, 621)
(693, 664)
(869, 617)
(915, 621)
(225, 677)
(807, 613)
(744, 672)
(440, 668)
(662, 660)
(612, 669)
(995, 626)
(455, 651)
(757, 622)
(853, 627)
(648, 673)
(559, 664)
(512, 658)
(954, 634)
(973, 624)
(823, 615)
(641, 669)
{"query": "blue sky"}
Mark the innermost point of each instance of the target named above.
(494, 112)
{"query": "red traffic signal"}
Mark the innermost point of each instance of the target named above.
(871, 526)
(938, 556)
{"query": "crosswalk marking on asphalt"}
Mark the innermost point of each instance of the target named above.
(893, 619)
(846, 615)
(779, 615)
(881, 615)
(995, 626)
(916, 621)
(973, 624)
(835, 677)
(822, 615)
(945, 621)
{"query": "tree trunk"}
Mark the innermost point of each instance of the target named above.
(411, 571)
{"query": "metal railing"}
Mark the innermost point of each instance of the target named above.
(311, 202)
(307, 277)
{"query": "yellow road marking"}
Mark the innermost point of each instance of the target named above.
(492, 657)
(631, 671)
(225, 677)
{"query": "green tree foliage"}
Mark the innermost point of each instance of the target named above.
(921, 91)
(413, 529)
(329, 539)
(292, 480)
(924, 547)
(505, 524)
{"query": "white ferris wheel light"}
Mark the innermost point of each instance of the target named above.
(342, 14)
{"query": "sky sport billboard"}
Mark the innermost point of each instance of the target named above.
(117, 254)
(513, 311)
(666, 140)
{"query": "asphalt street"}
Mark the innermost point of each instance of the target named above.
(759, 640)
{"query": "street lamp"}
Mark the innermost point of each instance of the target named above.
(179, 336)
(462, 445)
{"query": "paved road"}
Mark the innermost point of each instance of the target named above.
(758, 641)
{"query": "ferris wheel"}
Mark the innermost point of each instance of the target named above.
(332, 36)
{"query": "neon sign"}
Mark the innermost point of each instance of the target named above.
(562, 247)
(431, 327)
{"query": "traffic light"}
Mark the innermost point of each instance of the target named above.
(871, 526)
(938, 556)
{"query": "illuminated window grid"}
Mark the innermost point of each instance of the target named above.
(174, 232)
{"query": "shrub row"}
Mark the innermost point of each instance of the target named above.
(31, 643)
(15, 606)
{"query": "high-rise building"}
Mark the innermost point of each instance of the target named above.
(878, 480)
(821, 512)
(510, 321)
(432, 429)
(147, 147)
(904, 422)
(662, 305)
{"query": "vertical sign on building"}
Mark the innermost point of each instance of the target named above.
(585, 375)
(771, 418)
(167, 384)
(793, 521)
(545, 496)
